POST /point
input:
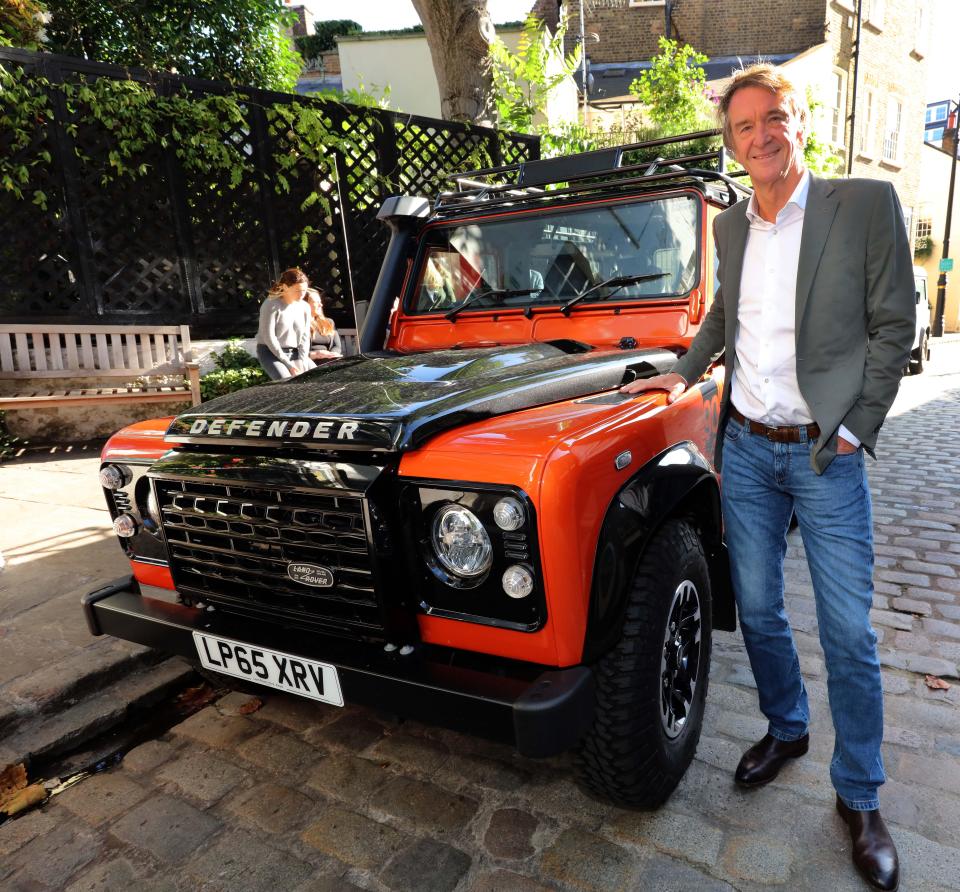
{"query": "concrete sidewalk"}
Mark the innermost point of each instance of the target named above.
(58, 683)
(299, 796)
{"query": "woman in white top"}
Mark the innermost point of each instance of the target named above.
(283, 337)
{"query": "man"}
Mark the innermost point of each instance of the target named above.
(815, 315)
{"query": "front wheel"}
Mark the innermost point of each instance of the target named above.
(920, 355)
(652, 685)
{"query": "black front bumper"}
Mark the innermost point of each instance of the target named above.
(543, 711)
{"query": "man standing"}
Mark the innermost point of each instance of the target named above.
(815, 315)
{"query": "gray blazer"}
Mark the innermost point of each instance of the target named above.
(855, 310)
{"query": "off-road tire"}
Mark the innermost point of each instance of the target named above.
(628, 756)
(923, 354)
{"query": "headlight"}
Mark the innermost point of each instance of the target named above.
(508, 514)
(114, 477)
(460, 542)
(125, 525)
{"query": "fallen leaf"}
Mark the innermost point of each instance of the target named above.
(24, 799)
(194, 699)
(936, 684)
(252, 705)
(13, 778)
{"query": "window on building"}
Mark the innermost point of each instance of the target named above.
(867, 111)
(646, 3)
(892, 142)
(873, 12)
(836, 109)
(923, 238)
(934, 134)
(937, 112)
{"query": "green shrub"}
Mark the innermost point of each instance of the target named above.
(235, 356)
(235, 370)
(9, 444)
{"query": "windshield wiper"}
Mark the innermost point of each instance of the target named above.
(615, 283)
(499, 293)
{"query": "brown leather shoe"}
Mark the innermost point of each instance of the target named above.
(762, 762)
(874, 853)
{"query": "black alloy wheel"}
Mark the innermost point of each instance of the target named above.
(652, 685)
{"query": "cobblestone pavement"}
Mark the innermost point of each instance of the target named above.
(299, 797)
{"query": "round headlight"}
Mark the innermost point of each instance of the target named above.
(460, 542)
(517, 581)
(115, 476)
(125, 525)
(508, 514)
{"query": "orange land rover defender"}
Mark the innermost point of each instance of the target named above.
(467, 523)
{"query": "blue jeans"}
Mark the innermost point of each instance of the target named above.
(763, 484)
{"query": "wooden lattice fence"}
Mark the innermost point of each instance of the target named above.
(174, 247)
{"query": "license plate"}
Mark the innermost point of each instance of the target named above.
(285, 672)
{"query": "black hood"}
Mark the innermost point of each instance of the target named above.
(395, 401)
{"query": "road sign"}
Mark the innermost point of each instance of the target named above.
(946, 265)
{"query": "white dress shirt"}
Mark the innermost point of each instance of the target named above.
(765, 384)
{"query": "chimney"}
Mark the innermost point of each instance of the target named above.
(949, 143)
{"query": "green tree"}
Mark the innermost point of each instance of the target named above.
(819, 157)
(242, 42)
(324, 37)
(673, 89)
(21, 23)
(522, 83)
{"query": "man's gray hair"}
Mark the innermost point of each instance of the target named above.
(769, 77)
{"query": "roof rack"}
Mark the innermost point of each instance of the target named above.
(602, 167)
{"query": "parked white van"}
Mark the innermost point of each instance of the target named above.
(921, 342)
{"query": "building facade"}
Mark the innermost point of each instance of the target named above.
(871, 91)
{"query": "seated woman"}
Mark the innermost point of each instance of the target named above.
(283, 336)
(324, 340)
(437, 291)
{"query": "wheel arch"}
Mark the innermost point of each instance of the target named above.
(679, 482)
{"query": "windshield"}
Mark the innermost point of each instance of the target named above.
(551, 258)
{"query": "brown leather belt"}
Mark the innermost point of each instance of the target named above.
(788, 433)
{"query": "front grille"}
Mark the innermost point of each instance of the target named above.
(231, 545)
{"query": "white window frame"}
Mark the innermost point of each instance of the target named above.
(645, 2)
(837, 123)
(848, 5)
(896, 158)
(934, 135)
(874, 12)
(866, 138)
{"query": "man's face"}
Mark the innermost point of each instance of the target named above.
(767, 136)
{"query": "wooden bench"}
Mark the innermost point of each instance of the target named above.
(31, 353)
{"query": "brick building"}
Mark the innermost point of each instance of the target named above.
(873, 101)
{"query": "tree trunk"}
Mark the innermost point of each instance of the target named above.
(459, 33)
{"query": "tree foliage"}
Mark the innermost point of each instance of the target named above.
(21, 23)
(672, 91)
(324, 37)
(242, 42)
(522, 82)
(818, 154)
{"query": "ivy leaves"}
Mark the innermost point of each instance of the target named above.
(209, 133)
